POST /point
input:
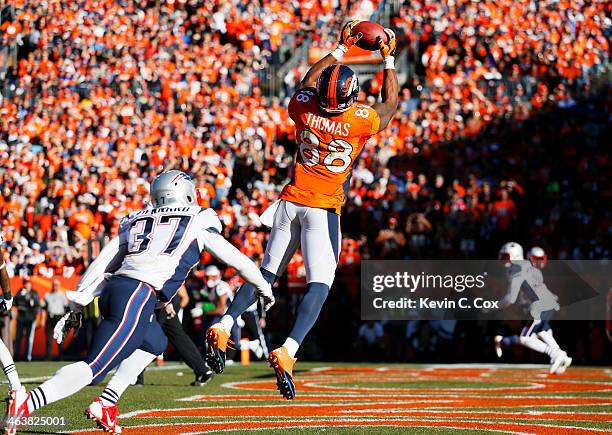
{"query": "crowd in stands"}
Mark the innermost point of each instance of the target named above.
(499, 135)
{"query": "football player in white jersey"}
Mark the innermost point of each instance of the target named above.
(526, 275)
(143, 266)
(6, 359)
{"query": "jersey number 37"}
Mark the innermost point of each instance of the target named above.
(168, 229)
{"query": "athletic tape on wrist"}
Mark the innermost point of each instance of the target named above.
(389, 62)
(339, 51)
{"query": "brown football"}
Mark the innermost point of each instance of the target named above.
(370, 31)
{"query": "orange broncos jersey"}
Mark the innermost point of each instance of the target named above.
(328, 148)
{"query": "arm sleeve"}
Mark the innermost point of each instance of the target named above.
(109, 259)
(224, 251)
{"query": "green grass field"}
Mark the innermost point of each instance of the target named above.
(352, 399)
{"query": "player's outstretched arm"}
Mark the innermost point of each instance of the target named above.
(347, 40)
(513, 291)
(90, 285)
(390, 89)
(227, 253)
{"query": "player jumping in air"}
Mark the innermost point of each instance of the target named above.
(8, 365)
(526, 276)
(331, 130)
(144, 266)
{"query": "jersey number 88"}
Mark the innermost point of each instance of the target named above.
(339, 152)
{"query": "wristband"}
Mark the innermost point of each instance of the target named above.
(339, 52)
(389, 62)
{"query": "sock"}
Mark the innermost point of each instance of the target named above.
(109, 397)
(245, 296)
(228, 323)
(11, 373)
(126, 374)
(551, 344)
(292, 346)
(308, 310)
(533, 343)
(9, 367)
(66, 381)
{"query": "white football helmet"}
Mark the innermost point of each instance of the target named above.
(173, 188)
(511, 251)
(538, 257)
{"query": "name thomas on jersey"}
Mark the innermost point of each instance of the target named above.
(326, 125)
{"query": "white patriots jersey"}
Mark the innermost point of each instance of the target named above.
(522, 273)
(161, 245)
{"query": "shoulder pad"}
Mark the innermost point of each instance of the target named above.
(303, 90)
(125, 221)
(514, 270)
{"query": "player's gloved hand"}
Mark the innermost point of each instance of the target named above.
(170, 312)
(266, 294)
(71, 320)
(346, 36)
(387, 49)
(6, 305)
(347, 39)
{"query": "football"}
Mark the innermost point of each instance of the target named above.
(370, 31)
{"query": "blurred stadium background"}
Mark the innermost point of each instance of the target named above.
(503, 133)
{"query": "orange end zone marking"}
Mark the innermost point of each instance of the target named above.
(389, 408)
(525, 381)
(521, 410)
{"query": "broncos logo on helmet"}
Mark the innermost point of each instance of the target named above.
(337, 88)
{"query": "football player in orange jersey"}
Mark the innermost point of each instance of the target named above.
(331, 130)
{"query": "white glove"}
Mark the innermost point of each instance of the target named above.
(267, 295)
(6, 304)
(71, 320)
(58, 331)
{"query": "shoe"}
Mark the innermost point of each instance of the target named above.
(17, 409)
(202, 380)
(557, 361)
(498, 348)
(106, 417)
(217, 340)
(567, 361)
(282, 363)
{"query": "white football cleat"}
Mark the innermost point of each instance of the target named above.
(567, 361)
(557, 361)
(106, 417)
(498, 348)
